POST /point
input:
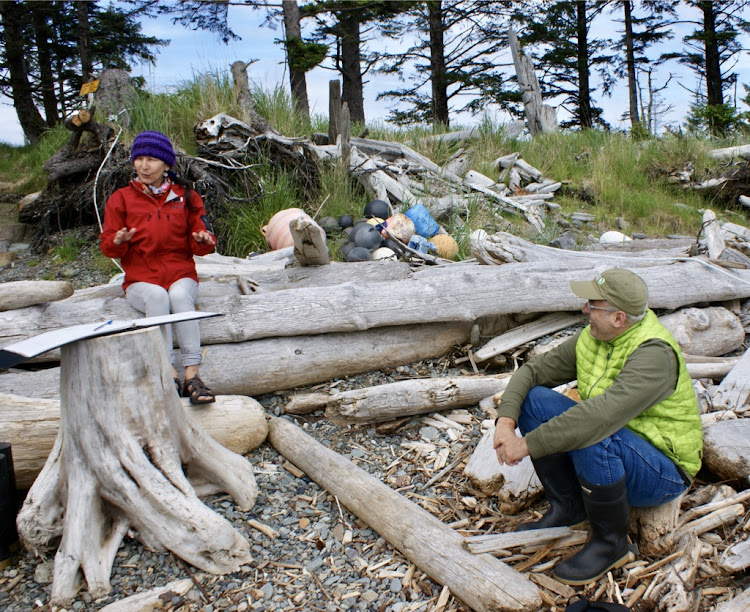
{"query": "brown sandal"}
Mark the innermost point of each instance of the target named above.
(197, 391)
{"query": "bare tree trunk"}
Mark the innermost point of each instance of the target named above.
(42, 36)
(584, 92)
(245, 98)
(296, 76)
(714, 95)
(438, 77)
(29, 117)
(351, 72)
(334, 110)
(539, 117)
(630, 59)
(84, 44)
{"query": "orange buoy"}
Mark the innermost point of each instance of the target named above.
(447, 247)
(277, 233)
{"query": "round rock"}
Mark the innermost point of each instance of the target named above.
(358, 254)
(377, 208)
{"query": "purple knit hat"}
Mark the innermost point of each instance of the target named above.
(153, 144)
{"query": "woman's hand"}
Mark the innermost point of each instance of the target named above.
(123, 235)
(204, 238)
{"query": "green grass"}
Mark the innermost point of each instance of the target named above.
(105, 264)
(22, 167)
(69, 250)
(242, 228)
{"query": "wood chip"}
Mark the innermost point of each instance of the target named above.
(555, 586)
(635, 595)
(293, 469)
(264, 529)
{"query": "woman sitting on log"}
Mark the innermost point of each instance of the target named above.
(154, 226)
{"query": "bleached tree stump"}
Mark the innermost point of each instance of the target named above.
(309, 242)
(516, 486)
(654, 528)
(127, 456)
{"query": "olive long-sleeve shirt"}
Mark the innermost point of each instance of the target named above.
(648, 377)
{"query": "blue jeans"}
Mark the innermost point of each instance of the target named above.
(651, 477)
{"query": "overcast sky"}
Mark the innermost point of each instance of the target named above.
(191, 53)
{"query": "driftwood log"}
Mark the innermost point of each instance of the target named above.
(309, 242)
(726, 448)
(514, 485)
(503, 248)
(152, 599)
(273, 364)
(31, 426)
(475, 292)
(741, 603)
(734, 391)
(408, 397)
(19, 294)
(654, 527)
(525, 333)
(705, 331)
(539, 116)
(481, 581)
(118, 463)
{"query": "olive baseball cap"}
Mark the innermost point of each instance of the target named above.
(624, 289)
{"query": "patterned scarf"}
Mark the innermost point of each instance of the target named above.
(155, 191)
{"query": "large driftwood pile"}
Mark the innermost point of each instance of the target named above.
(398, 174)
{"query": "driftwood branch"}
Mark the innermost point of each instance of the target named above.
(408, 397)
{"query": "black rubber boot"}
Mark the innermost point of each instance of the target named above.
(609, 516)
(561, 488)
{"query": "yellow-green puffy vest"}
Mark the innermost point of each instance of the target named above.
(673, 425)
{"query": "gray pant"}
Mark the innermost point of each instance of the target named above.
(154, 301)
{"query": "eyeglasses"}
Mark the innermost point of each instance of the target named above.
(592, 307)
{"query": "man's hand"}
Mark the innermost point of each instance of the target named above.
(204, 238)
(509, 447)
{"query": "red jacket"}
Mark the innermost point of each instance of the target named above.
(162, 248)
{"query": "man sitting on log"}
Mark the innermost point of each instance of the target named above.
(634, 439)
